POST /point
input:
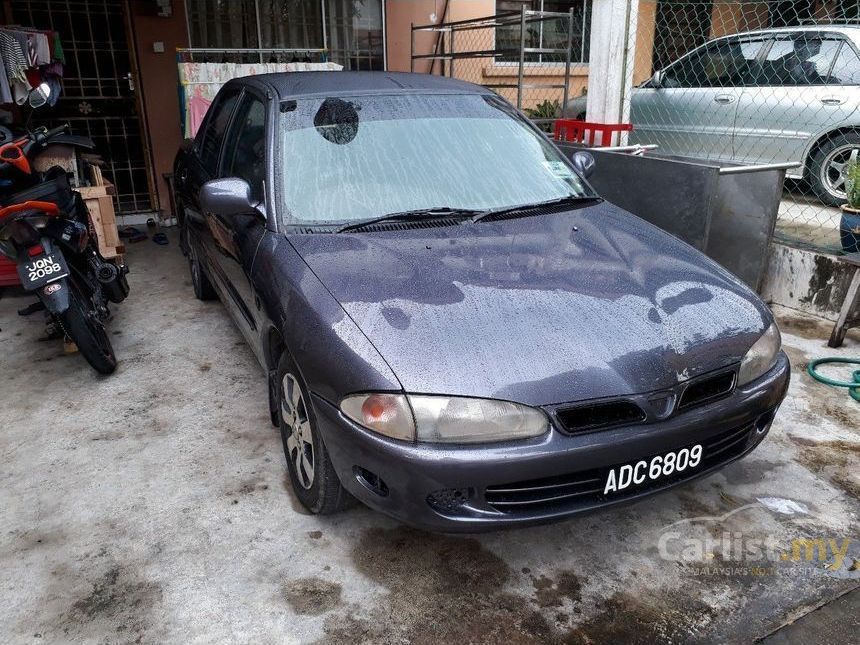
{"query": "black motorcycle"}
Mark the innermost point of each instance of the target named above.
(45, 230)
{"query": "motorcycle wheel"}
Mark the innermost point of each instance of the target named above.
(83, 326)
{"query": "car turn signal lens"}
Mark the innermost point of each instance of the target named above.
(387, 414)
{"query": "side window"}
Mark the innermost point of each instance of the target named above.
(727, 63)
(799, 60)
(245, 152)
(846, 69)
(213, 132)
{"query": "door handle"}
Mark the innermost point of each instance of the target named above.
(724, 98)
(832, 100)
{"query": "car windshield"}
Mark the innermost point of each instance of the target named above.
(347, 159)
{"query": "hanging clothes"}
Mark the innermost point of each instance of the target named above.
(30, 57)
(39, 43)
(14, 60)
(201, 82)
(197, 106)
(5, 88)
(59, 55)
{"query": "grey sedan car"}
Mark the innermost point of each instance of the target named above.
(788, 94)
(457, 330)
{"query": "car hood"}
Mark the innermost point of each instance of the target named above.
(560, 307)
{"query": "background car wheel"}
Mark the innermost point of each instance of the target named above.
(311, 472)
(826, 171)
(203, 289)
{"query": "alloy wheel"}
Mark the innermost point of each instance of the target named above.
(300, 443)
(833, 170)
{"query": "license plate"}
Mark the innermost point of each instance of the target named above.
(42, 269)
(653, 469)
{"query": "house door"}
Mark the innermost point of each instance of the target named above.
(98, 98)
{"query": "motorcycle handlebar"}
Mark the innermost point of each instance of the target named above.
(60, 129)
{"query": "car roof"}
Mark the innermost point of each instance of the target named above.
(850, 30)
(288, 85)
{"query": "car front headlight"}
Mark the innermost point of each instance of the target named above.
(761, 356)
(444, 419)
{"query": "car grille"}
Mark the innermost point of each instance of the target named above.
(707, 389)
(585, 488)
(599, 415)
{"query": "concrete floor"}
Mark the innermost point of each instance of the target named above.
(802, 217)
(153, 506)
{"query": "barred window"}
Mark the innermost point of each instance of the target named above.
(351, 30)
(545, 34)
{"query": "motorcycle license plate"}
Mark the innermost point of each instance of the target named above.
(42, 269)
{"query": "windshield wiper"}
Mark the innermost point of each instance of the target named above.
(418, 214)
(569, 199)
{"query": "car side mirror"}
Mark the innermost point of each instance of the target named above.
(583, 162)
(229, 196)
(657, 79)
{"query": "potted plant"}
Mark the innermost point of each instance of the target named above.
(544, 112)
(849, 226)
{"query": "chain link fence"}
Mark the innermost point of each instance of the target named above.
(731, 81)
(756, 82)
(534, 58)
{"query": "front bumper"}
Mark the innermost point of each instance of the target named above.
(451, 489)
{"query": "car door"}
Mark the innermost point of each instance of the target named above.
(203, 166)
(692, 112)
(797, 96)
(236, 237)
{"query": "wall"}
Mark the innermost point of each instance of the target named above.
(401, 14)
(157, 85)
(805, 280)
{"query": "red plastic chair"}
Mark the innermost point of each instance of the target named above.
(585, 132)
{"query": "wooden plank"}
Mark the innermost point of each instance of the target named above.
(92, 192)
(94, 208)
(108, 216)
(99, 202)
(847, 313)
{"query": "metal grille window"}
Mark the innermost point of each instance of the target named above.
(221, 23)
(292, 24)
(545, 34)
(354, 30)
(351, 30)
(98, 93)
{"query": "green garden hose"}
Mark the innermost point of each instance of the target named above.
(853, 386)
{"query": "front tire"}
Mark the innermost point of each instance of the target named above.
(826, 169)
(312, 473)
(84, 328)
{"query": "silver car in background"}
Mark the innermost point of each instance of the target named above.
(788, 94)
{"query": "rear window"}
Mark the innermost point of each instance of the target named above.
(800, 60)
(846, 69)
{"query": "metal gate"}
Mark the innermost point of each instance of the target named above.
(98, 95)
